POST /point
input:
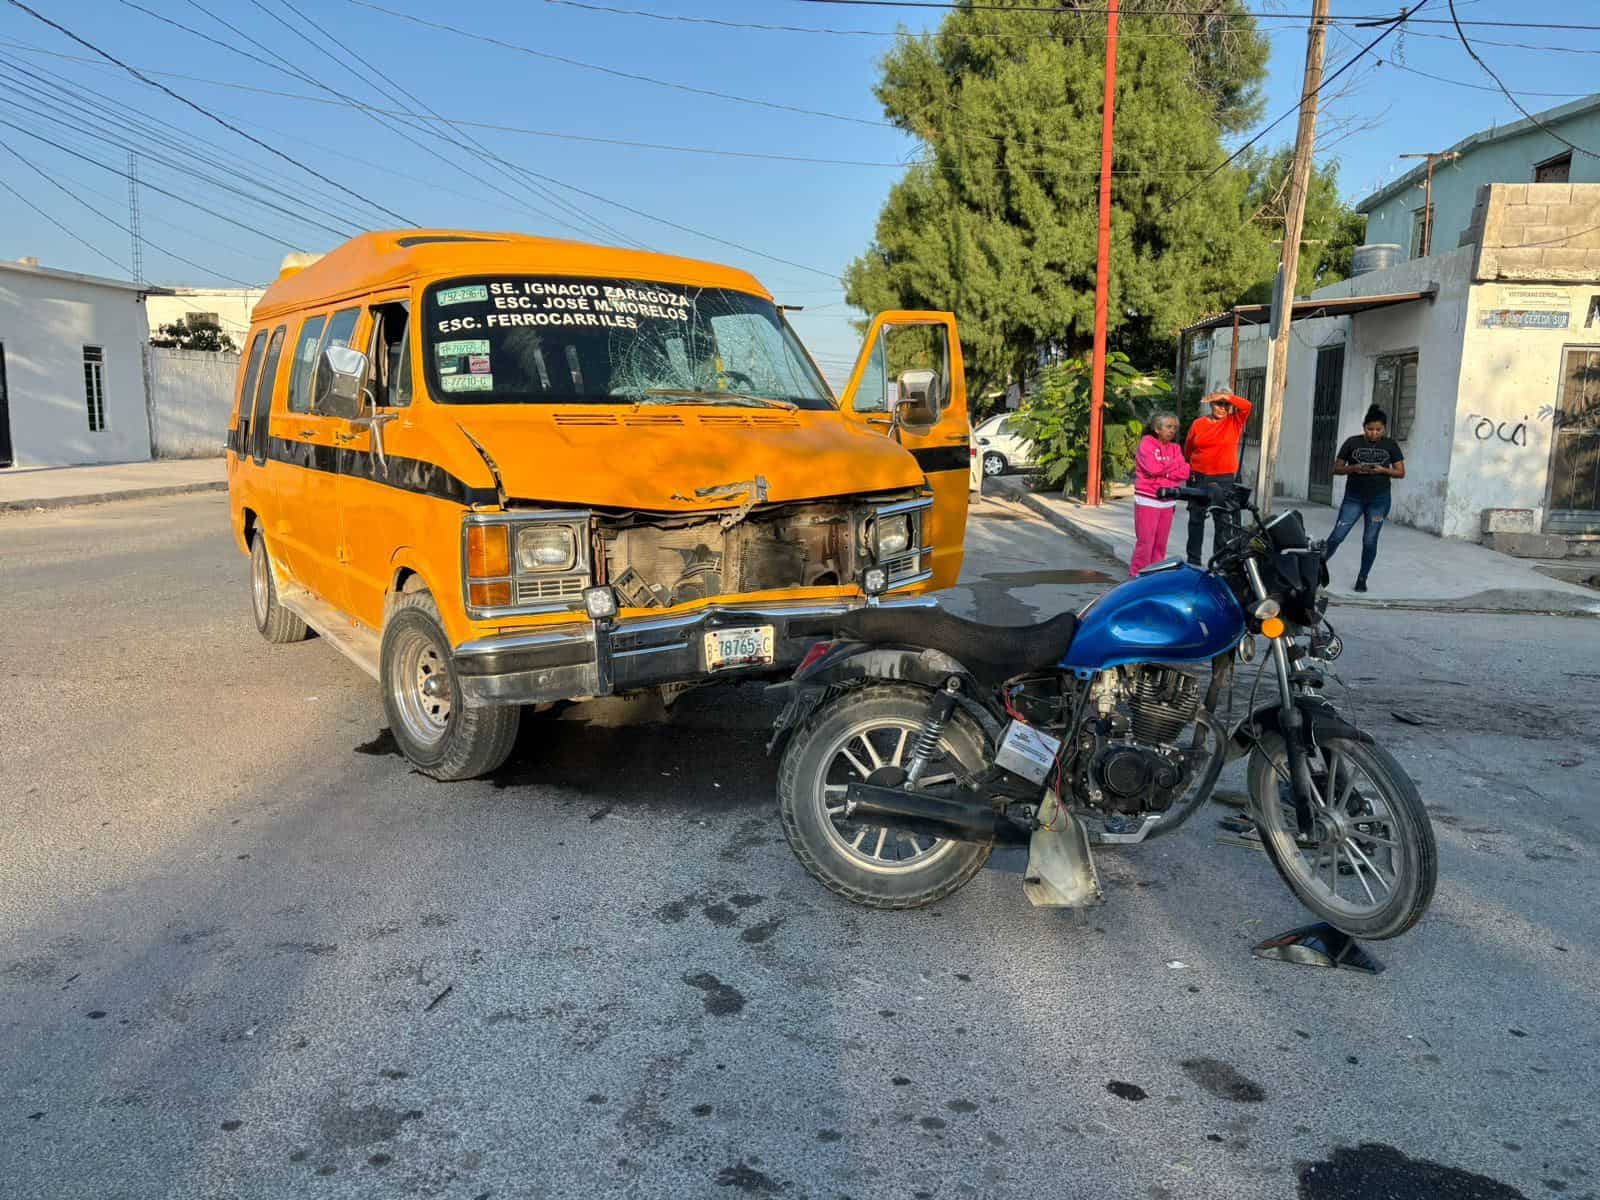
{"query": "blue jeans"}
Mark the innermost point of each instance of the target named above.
(1372, 513)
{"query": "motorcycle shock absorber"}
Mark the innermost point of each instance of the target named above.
(927, 743)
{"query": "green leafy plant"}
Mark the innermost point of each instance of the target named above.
(1055, 418)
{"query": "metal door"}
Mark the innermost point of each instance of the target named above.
(1325, 422)
(1575, 450)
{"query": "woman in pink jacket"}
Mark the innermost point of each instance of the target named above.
(1160, 463)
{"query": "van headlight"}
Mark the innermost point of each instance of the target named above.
(543, 548)
(894, 535)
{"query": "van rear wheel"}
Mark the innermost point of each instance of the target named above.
(438, 732)
(275, 622)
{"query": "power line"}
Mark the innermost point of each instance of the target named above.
(1477, 87)
(123, 267)
(1345, 66)
(613, 71)
(197, 108)
(128, 229)
(1063, 11)
(1510, 95)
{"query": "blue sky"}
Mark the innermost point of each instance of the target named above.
(815, 215)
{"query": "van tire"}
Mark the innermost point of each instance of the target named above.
(448, 744)
(275, 622)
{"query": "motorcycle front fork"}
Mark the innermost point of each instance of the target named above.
(1291, 720)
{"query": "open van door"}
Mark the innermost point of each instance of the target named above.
(909, 384)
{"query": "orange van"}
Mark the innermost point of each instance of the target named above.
(498, 470)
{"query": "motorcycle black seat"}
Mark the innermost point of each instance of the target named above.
(993, 653)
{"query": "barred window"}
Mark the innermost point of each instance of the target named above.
(1394, 389)
(94, 387)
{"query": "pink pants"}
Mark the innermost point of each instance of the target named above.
(1150, 529)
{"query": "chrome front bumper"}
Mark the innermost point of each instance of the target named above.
(582, 659)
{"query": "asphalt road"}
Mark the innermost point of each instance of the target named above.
(245, 952)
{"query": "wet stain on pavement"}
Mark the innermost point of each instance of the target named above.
(381, 746)
(1126, 1091)
(748, 1179)
(719, 914)
(1073, 578)
(760, 932)
(829, 1135)
(745, 900)
(315, 948)
(1221, 1080)
(345, 1127)
(720, 999)
(961, 1106)
(1373, 1169)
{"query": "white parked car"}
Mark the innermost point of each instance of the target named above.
(998, 449)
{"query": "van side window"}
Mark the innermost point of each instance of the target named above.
(402, 376)
(304, 364)
(386, 354)
(341, 329)
(261, 422)
(247, 391)
(871, 392)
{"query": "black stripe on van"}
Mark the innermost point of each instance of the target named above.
(943, 458)
(406, 474)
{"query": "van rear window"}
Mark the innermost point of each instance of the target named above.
(541, 339)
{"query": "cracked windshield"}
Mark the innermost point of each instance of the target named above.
(527, 339)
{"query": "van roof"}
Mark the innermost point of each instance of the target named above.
(394, 257)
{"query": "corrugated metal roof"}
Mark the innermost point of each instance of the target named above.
(1339, 306)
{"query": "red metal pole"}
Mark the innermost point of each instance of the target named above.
(1097, 393)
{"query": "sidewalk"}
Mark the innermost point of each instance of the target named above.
(25, 489)
(1414, 569)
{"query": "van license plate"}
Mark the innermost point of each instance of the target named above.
(738, 647)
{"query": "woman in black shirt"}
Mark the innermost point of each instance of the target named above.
(1370, 461)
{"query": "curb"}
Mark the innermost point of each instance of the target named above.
(55, 502)
(1533, 603)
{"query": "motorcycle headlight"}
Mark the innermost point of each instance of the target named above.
(546, 548)
(894, 536)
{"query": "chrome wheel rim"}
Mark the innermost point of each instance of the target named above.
(882, 744)
(1353, 862)
(260, 583)
(420, 685)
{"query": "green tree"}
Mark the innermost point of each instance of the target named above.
(999, 221)
(1332, 228)
(193, 333)
(1056, 418)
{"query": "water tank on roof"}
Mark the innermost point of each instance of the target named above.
(1376, 256)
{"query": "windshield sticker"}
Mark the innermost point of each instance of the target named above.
(470, 346)
(463, 295)
(467, 383)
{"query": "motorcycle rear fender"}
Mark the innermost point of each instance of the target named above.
(1321, 719)
(852, 664)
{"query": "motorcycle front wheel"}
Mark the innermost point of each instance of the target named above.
(1370, 864)
(868, 735)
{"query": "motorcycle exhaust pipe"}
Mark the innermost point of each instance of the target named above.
(931, 816)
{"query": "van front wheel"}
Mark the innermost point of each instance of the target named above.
(439, 733)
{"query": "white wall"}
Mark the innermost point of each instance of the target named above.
(191, 398)
(1510, 385)
(45, 322)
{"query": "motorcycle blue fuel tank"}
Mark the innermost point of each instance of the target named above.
(1177, 614)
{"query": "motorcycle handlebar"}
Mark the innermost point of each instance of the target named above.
(1188, 493)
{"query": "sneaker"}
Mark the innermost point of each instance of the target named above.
(1361, 585)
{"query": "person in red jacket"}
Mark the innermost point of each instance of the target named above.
(1159, 464)
(1212, 449)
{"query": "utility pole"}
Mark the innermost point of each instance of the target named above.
(1293, 225)
(1427, 198)
(1102, 274)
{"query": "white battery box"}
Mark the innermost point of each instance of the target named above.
(1027, 752)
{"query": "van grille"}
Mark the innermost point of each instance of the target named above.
(533, 591)
(585, 419)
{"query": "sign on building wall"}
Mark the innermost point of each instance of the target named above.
(1528, 308)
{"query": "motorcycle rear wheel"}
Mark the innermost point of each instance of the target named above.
(1371, 865)
(856, 735)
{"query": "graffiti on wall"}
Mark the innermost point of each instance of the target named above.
(1511, 433)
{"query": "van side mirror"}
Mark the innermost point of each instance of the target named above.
(916, 403)
(339, 381)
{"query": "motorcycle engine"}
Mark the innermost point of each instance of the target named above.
(1132, 764)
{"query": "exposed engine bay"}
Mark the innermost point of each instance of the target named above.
(658, 562)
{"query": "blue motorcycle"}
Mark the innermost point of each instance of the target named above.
(915, 741)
